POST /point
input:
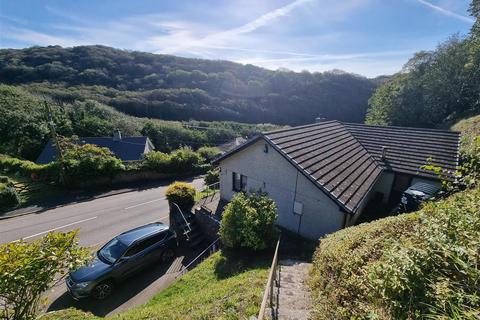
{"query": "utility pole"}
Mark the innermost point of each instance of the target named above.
(53, 134)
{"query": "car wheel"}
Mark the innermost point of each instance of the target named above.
(102, 290)
(168, 255)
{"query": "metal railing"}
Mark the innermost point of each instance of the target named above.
(273, 276)
(209, 193)
(181, 213)
(213, 247)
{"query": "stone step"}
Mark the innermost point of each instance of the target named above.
(292, 314)
(300, 301)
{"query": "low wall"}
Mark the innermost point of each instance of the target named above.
(208, 223)
(133, 176)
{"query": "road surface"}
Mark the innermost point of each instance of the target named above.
(98, 221)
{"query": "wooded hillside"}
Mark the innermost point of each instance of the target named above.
(174, 88)
(435, 88)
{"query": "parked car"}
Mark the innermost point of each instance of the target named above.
(415, 195)
(120, 258)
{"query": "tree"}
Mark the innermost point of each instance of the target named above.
(249, 222)
(84, 161)
(27, 269)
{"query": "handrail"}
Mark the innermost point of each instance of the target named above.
(186, 223)
(196, 258)
(214, 187)
(269, 287)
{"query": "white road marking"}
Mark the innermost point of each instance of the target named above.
(67, 225)
(144, 203)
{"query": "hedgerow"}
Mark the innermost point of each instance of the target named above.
(415, 266)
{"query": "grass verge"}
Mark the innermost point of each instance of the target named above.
(227, 285)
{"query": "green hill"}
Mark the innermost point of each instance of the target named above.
(174, 88)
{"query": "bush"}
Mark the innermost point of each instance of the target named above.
(415, 266)
(8, 198)
(182, 194)
(184, 160)
(157, 161)
(212, 176)
(208, 153)
(46, 172)
(249, 222)
(89, 161)
(28, 269)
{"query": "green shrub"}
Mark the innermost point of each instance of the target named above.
(89, 161)
(8, 198)
(28, 269)
(415, 266)
(249, 222)
(45, 172)
(157, 161)
(212, 176)
(182, 194)
(184, 160)
(208, 153)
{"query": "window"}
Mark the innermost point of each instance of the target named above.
(243, 182)
(144, 244)
(236, 183)
(239, 182)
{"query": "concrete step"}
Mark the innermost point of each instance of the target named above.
(292, 314)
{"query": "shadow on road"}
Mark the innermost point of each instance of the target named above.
(92, 193)
(133, 291)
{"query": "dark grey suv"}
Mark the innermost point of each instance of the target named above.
(121, 257)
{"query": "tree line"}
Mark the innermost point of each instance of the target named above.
(174, 88)
(435, 88)
(24, 127)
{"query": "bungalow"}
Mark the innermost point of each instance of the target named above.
(322, 175)
(124, 148)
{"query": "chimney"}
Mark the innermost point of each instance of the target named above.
(117, 135)
(384, 153)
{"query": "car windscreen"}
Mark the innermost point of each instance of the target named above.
(112, 251)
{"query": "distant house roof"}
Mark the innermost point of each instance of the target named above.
(126, 148)
(345, 160)
(231, 144)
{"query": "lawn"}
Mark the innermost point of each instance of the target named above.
(34, 193)
(227, 285)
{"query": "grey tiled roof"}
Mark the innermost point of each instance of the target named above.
(332, 158)
(345, 160)
(407, 149)
(127, 149)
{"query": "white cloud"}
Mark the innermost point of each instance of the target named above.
(251, 26)
(446, 12)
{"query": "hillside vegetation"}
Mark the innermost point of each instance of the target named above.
(413, 266)
(24, 127)
(435, 87)
(224, 286)
(174, 88)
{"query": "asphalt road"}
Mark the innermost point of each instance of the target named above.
(98, 221)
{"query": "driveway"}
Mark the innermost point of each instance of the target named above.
(98, 221)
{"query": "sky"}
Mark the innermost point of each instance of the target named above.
(367, 37)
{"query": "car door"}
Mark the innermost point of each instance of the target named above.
(134, 259)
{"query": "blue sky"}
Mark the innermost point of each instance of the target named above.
(368, 37)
